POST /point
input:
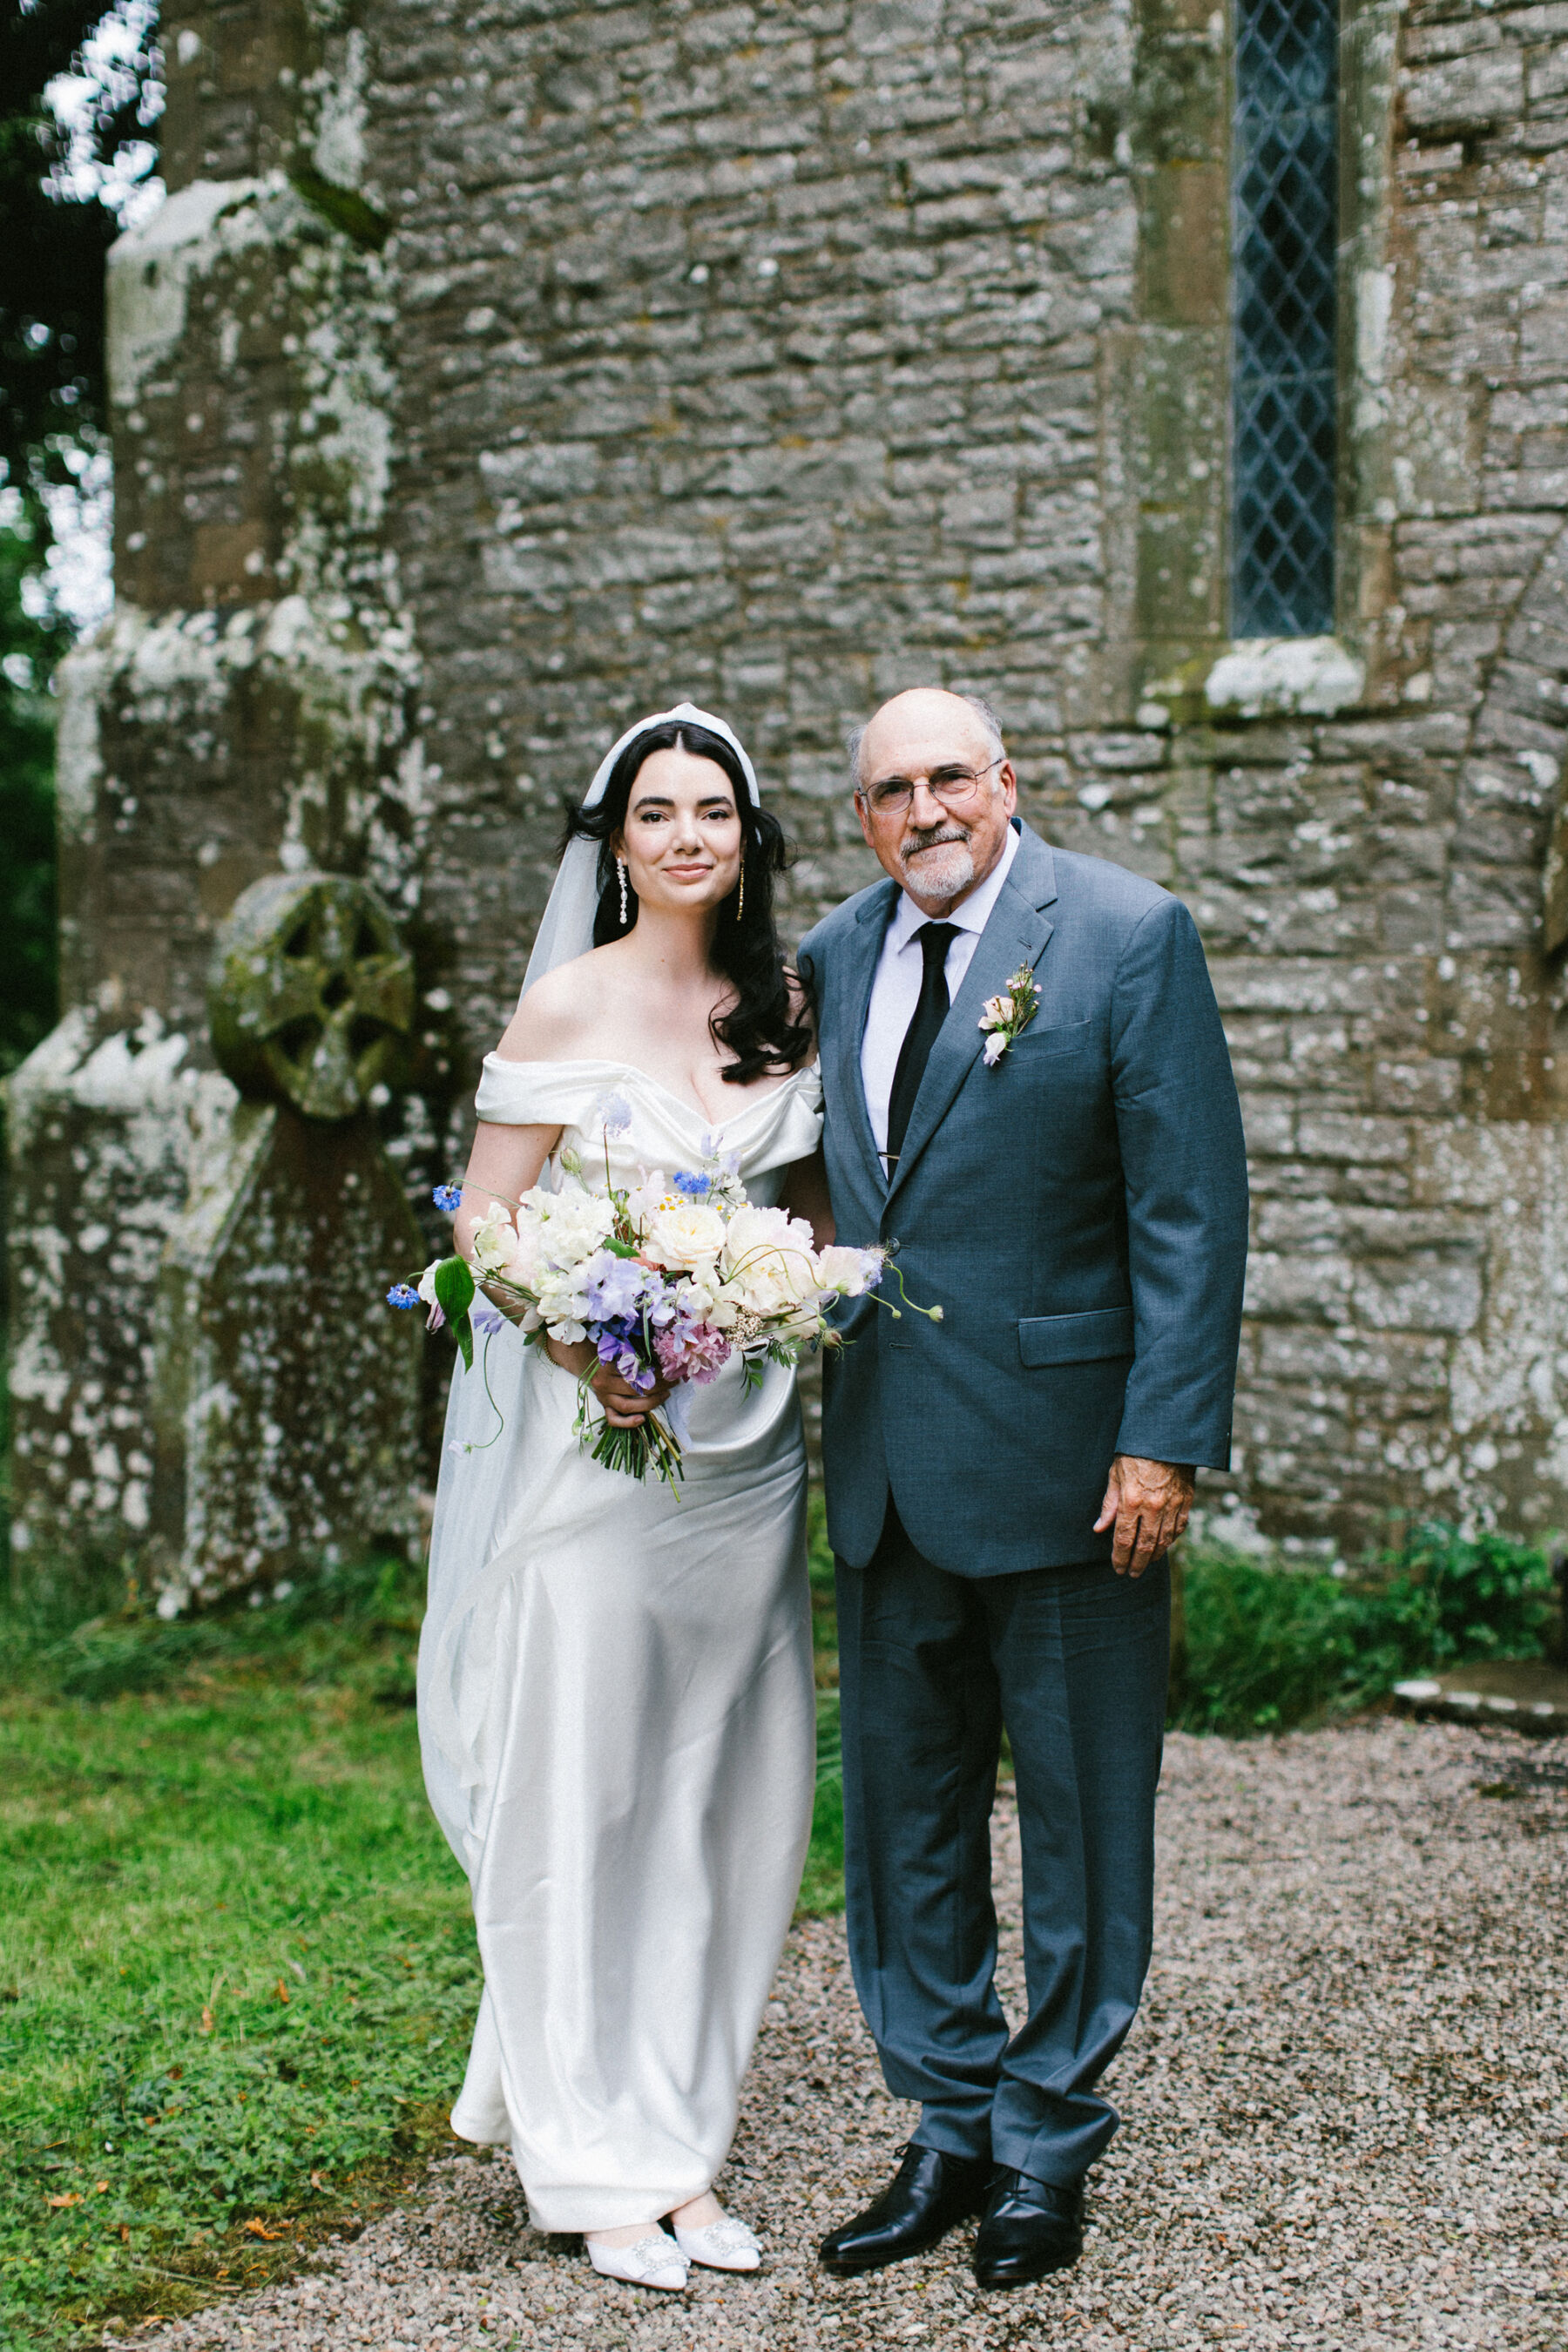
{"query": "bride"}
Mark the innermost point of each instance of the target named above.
(616, 1703)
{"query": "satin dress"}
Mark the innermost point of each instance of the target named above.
(618, 1712)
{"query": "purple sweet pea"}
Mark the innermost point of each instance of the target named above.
(616, 1286)
(614, 1343)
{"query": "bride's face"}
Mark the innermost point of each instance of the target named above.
(681, 839)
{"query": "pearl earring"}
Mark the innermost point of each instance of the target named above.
(621, 870)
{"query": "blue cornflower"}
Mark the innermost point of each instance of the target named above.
(695, 1187)
(448, 1197)
(403, 1294)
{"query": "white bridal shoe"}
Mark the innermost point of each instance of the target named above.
(653, 2261)
(724, 2245)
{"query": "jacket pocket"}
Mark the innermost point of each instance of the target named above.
(1076, 1338)
(1072, 1038)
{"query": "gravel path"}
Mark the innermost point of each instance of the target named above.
(1346, 2103)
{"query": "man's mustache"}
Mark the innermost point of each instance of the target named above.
(918, 841)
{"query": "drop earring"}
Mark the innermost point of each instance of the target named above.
(740, 894)
(621, 870)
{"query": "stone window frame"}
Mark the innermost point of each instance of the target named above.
(1186, 666)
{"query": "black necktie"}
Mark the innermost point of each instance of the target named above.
(921, 1033)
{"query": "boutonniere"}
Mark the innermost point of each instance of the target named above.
(1006, 1017)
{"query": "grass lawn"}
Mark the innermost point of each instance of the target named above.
(236, 1962)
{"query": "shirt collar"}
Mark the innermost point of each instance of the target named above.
(972, 914)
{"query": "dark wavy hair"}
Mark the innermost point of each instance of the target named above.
(760, 1030)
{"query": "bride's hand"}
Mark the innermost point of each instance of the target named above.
(623, 1406)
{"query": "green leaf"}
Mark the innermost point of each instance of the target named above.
(455, 1296)
(454, 1289)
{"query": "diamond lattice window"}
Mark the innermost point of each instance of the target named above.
(1283, 197)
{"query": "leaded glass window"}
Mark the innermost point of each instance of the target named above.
(1284, 170)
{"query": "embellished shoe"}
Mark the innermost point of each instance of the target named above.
(654, 2260)
(723, 2245)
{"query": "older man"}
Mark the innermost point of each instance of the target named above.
(1064, 1173)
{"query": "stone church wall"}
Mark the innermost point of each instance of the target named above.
(503, 371)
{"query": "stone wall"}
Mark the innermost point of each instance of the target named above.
(784, 357)
(781, 356)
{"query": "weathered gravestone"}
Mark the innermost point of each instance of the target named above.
(281, 1413)
(286, 1413)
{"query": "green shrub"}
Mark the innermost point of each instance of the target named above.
(1488, 1596)
(1269, 1645)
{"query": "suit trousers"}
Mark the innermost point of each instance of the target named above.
(1073, 1661)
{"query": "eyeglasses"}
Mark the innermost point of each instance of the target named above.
(954, 787)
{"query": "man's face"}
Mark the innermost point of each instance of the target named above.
(937, 851)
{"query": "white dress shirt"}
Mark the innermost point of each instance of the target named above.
(896, 990)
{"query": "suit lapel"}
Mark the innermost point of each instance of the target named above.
(1018, 933)
(859, 969)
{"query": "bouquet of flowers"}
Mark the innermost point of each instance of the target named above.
(668, 1278)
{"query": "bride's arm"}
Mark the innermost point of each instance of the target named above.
(507, 1161)
(503, 1165)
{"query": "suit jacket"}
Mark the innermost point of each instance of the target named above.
(1078, 1211)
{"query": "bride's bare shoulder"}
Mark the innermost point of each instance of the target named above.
(556, 1020)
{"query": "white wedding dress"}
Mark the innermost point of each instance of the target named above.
(617, 1715)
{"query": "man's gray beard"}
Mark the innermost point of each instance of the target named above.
(933, 876)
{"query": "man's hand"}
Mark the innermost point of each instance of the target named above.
(1149, 1503)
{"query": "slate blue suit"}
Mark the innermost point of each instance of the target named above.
(1079, 1212)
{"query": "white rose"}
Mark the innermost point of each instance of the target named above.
(682, 1235)
(768, 1262)
(752, 1228)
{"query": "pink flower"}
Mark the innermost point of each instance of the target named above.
(691, 1352)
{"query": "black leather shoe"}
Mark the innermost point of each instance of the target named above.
(926, 2196)
(1029, 2228)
